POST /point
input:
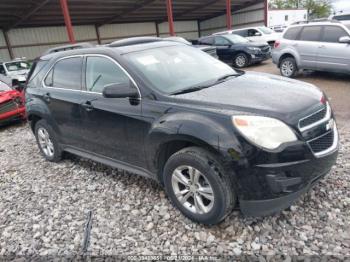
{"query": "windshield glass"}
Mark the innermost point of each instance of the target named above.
(348, 26)
(174, 68)
(4, 87)
(16, 66)
(266, 30)
(236, 39)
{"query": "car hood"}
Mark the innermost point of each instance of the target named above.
(261, 94)
(9, 95)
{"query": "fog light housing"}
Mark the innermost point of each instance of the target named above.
(280, 182)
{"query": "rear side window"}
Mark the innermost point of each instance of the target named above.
(292, 33)
(333, 33)
(311, 33)
(207, 41)
(35, 69)
(66, 74)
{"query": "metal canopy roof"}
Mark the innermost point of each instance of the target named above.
(30, 13)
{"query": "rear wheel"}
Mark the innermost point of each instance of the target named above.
(288, 67)
(240, 60)
(47, 141)
(198, 186)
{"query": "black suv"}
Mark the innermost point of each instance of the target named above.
(237, 50)
(214, 137)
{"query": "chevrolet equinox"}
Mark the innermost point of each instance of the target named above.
(214, 137)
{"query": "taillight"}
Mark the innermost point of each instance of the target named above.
(277, 44)
(323, 100)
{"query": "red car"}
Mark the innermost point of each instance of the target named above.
(11, 104)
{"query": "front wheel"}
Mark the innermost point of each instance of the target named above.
(198, 186)
(240, 60)
(288, 67)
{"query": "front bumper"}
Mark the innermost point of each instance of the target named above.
(18, 113)
(255, 58)
(271, 188)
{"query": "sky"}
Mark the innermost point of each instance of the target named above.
(341, 5)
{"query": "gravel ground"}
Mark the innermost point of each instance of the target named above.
(44, 209)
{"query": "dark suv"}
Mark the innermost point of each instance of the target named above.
(237, 50)
(212, 136)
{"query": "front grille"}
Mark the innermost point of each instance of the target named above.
(319, 115)
(8, 106)
(322, 143)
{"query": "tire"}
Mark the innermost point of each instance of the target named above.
(47, 142)
(212, 187)
(241, 60)
(288, 67)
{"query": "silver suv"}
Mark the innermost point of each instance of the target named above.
(321, 46)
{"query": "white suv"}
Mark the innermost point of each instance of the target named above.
(257, 34)
(320, 46)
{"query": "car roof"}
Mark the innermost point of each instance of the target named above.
(120, 50)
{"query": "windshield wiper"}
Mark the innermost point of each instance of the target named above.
(190, 89)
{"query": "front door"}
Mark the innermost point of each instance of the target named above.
(332, 55)
(108, 123)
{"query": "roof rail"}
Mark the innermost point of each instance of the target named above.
(134, 41)
(68, 47)
(316, 21)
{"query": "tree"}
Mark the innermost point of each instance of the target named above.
(315, 8)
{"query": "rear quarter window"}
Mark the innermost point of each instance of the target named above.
(292, 33)
(37, 66)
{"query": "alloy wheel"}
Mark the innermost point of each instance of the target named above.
(287, 68)
(45, 142)
(192, 189)
(240, 61)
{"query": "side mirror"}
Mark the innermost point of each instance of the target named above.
(344, 40)
(257, 34)
(120, 90)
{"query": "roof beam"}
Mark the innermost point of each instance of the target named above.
(127, 11)
(28, 14)
(198, 7)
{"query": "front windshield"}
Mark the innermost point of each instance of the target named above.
(173, 68)
(4, 87)
(266, 30)
(16, 66)
(236, 39)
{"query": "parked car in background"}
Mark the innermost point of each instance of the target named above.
(210, 50)
(341, 17)
(237, 50)
(278, 28)
(323, 46)
(15, 71)
(214, 137)
(11, 103)
(258, 34)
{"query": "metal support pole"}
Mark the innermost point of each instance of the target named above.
(228, 15)
(157, 28)
(98, 35)
(199, 28)
(169, 8)
(8, 44)
(67, 21)
(266, 8)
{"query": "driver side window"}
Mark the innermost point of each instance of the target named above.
(101, 71)
(221, 41)
(253, 32)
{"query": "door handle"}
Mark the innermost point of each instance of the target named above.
(88, 106)
(294, 44)
(47, 97)
(322, 46)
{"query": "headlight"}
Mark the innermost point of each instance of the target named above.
(265, 132)
(255, 49)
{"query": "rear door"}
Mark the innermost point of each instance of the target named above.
(307, 46)
(332, 55)
(62, 94)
